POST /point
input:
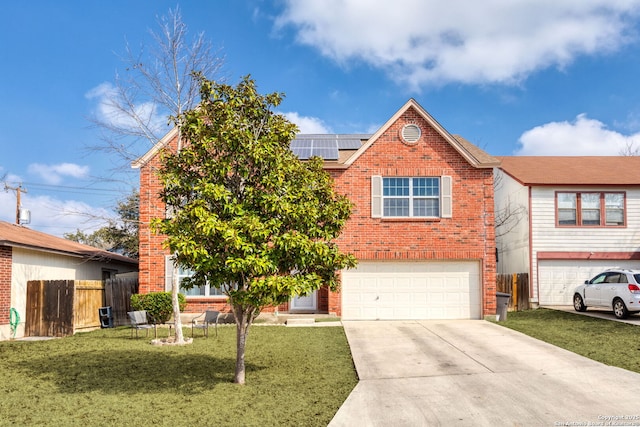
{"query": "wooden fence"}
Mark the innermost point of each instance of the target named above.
(518, 286)
(57, 308)
(118, 296)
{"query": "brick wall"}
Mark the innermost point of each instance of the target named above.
(5, 284)
(469, 235)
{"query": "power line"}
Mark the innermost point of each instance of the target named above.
(68, 187)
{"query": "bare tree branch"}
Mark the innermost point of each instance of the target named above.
(630, 149)
(155, 87)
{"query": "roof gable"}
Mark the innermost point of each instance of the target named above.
(472, 154)
(475, 156)
(149, 155)
(573, 170)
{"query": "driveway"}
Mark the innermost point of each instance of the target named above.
(476, 373)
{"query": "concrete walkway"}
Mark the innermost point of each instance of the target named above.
(476, 373)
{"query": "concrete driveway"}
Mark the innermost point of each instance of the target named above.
(476, 373)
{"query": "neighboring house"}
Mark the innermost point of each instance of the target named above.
(31, 255)
(422, 225)
(566, 219)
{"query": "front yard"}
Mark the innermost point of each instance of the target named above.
(295, 376)
(609, 342)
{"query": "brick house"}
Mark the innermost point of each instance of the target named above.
(422, 226)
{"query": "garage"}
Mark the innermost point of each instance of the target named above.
(412, 290)
(558, 278)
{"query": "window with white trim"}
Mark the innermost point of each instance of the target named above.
(411, 197)
(182, 273)
(595, 209)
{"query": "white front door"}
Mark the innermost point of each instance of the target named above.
(304, 303)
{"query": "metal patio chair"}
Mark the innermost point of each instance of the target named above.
(139, 321)
(204, 320)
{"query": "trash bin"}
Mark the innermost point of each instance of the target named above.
(106, 317)
(502, 303)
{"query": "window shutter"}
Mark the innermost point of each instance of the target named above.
(446, 197)
(376, 196)
(168, 272)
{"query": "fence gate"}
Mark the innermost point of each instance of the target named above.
(49, 308)
(118, 293)
(518, 286)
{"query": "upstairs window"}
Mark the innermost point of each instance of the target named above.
(590, 209)
(411, 197)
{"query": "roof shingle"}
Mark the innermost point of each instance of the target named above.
(573, 170)
(18, 236)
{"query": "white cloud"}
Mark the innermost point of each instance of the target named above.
(53, 174)
(307, 124)
(115, 111)
(582, 137)
(54, 216)
(419, 42)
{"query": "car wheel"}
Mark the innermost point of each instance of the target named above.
(578, 303)
(619, 309)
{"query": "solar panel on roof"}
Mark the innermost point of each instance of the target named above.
(324, 143)
(349, 144)
(325, 153)
(303, 153)
(296, 143)
(325, 146)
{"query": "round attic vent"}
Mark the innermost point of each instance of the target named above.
(411, 133)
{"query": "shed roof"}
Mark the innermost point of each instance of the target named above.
(573, 170)
(13, 235)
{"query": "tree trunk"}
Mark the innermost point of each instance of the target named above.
(176, 309)
(243, 316)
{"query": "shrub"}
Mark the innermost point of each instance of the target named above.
(157, 305)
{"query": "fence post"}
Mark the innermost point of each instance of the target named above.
(514, 291)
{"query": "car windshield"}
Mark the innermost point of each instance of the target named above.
(637, 277)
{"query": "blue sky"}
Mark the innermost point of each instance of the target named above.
(533, 77)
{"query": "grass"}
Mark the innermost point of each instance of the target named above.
(295, 376)
(606, 341)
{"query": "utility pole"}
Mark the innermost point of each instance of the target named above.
(19, 190)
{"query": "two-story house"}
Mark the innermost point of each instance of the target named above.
(564, 219)
(422, 225)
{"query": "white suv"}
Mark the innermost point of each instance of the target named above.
(616, 289)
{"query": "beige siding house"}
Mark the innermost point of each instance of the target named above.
(31, 255)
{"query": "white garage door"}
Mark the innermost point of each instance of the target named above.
(558, 278)
(411, 290)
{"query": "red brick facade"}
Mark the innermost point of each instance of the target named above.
(5, 283)
(468, 235)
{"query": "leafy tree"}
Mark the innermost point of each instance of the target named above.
(120, 236)
(250, 217)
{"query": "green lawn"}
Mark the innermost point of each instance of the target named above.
(610, 342)
(295, 377)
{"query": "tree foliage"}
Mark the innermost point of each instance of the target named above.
(250, 217)
(119, 236)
